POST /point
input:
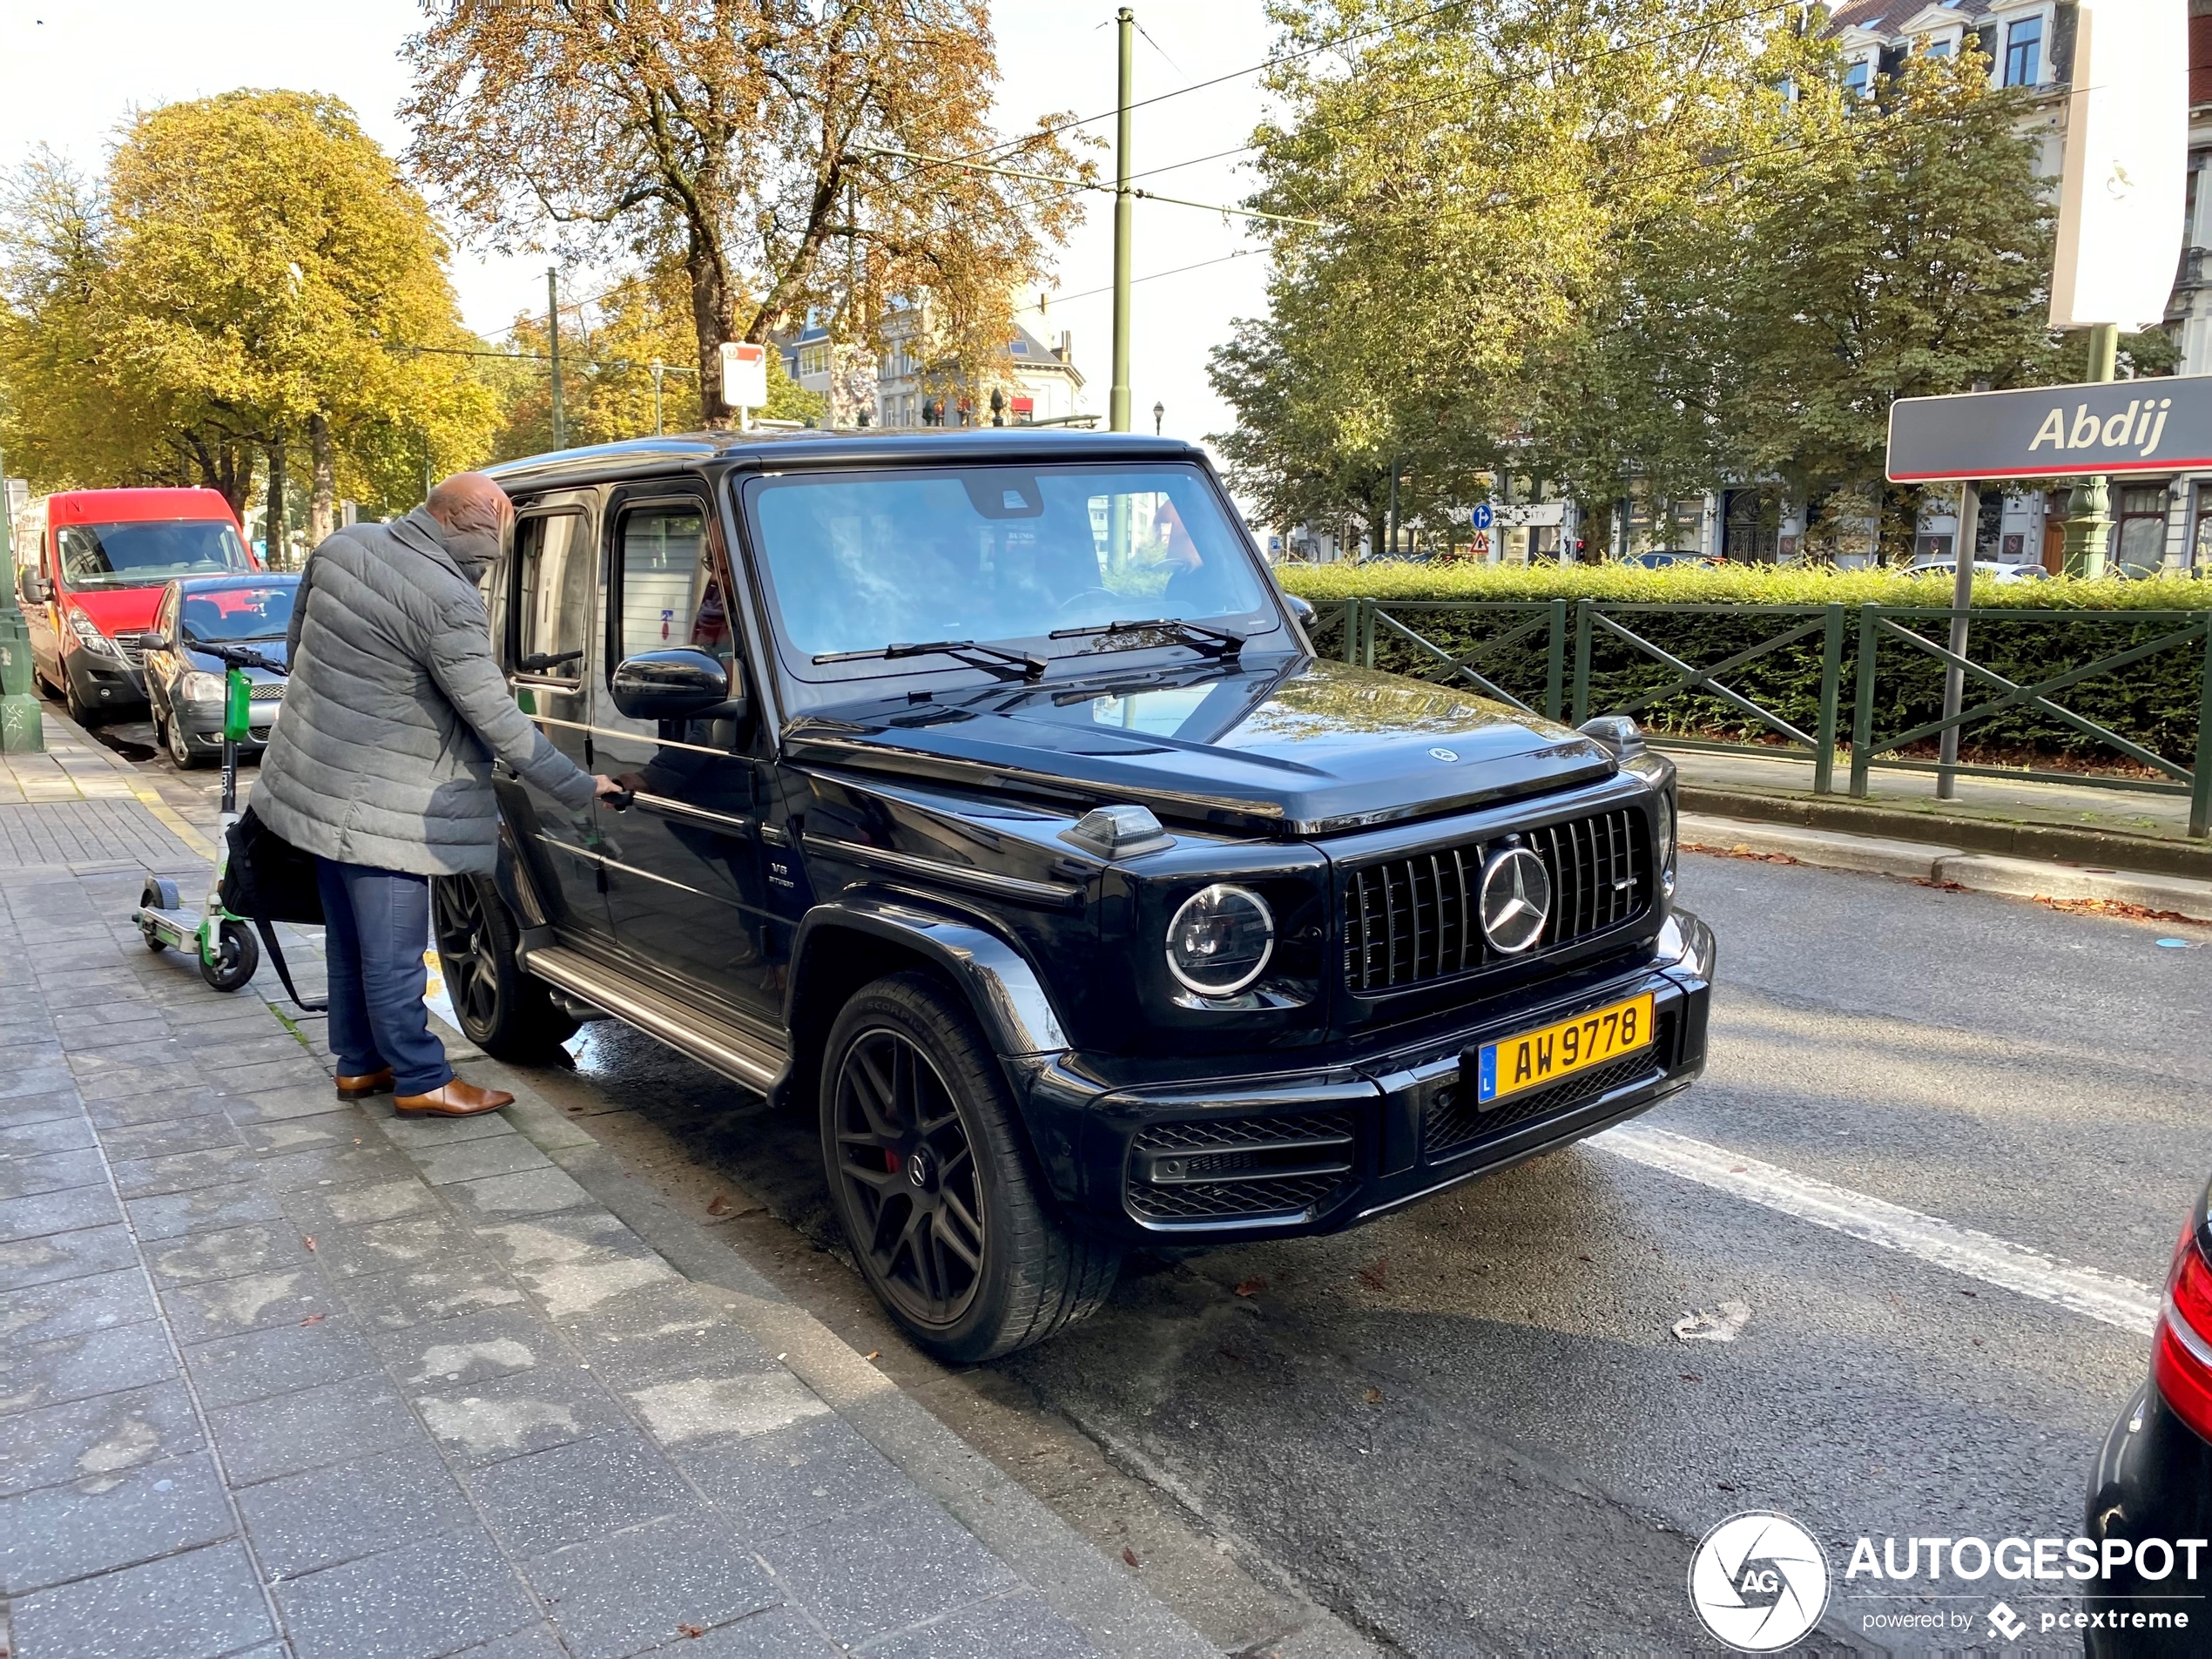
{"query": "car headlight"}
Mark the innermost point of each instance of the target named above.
(200, 687)
(90, 637)
(1663, 821)
(1220, 939)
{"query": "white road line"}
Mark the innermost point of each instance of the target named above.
(2122, 1302)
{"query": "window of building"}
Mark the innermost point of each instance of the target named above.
(2024, 53)
(1939, 47)
(814, 359)
(1857, 75)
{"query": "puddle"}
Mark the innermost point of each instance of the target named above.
(132, 739)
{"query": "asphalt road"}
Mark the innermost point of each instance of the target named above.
(1470, 1428)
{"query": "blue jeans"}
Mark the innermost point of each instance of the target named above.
(376, 925)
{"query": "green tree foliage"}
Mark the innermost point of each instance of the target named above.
(607, 352)
(1598, 240)
(251, 272)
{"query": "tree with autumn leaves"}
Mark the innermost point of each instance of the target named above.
(250, 277)
(785, 156)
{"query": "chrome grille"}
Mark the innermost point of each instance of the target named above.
(1413, 920)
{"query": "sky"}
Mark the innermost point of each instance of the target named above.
(72, 70)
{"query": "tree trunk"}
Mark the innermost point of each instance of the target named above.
(275, 532)
(714, 320)
(322, 500)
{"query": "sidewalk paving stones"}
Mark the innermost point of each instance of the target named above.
(283, 1377)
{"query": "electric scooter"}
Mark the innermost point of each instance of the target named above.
(223, 944)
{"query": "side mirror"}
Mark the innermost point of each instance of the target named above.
(1616, 732)
(680, 684)
(1302, 609)
(153, 639)
(34, 588)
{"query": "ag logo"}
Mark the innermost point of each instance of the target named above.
(1759, 1581)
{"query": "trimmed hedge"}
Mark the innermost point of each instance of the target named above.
(2154, 702)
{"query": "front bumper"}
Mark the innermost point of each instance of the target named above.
(2153, 1479)
(1250, 1155)
(201, 726)
(103, 682)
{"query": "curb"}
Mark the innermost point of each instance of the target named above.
(2054, 842)
(1120, 1615)
(1949, 866)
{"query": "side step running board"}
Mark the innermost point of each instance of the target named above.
(742, 1056)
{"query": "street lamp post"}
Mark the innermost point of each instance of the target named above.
(1117, 397)
(20, 731)
(1159, 414)
(657, 368)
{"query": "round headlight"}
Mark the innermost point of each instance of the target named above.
(1664, 821)
(1220, 941)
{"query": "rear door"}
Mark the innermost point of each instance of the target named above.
(544, 623)
(686, 876)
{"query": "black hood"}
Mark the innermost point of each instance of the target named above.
(1300, 749)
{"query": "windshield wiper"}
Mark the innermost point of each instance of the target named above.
(1026, 666)
(1214, 642)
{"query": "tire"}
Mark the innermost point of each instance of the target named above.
(79, 710)
(172, 738)
(156, 894)
(967, 1254)
(237, 953)
(499, 1008)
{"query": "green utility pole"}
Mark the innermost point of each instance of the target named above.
(1117, 405)
(553, 350)
(2089, 508)
(20, 731)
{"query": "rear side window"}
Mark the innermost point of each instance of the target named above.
(554, 577)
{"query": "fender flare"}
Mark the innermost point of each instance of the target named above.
(1001, 985)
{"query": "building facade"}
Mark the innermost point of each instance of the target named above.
(1034, 382)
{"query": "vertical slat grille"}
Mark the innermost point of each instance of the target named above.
(1413, 921)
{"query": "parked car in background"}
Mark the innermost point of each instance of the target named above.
(102, 561)
(185, 685)
(2153, 1478)
(1934, 565)
(989, 806)
(1667, 557)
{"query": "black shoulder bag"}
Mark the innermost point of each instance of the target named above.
(267, 880)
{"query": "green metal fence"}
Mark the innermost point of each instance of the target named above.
(1885, 635)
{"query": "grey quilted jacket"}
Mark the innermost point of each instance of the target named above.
(382, 755)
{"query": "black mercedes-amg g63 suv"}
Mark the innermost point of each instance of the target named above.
(989, 801)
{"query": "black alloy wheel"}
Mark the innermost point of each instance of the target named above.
(499, 1008)
(930, 1171)
(909, 1177)
(172, 735)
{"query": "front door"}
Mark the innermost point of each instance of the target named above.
(545, 620)
(686, 876)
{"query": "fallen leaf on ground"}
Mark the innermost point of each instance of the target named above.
(1723, 1326)
(1130, 1555)
(1375, 1397)
(2120, 907)
(313, 1318)
(1251, 1286)
(691, 1629)
(1376, 1274)
(718, 1205)
(1691, 1376)
(1741, 850)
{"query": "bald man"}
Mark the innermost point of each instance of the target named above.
(380, 766)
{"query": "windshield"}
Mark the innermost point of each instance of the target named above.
(856, 562)
(233, 614)
(130, 556)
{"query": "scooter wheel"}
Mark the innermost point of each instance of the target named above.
(156, 894)
(237, 956)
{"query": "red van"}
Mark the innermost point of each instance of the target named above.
(102, 563)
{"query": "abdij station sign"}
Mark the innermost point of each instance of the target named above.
(2162, 426)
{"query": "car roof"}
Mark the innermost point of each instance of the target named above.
(239, 579)
(138, 505)
(848, 447)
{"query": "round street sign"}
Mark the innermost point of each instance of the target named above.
(1485, 516)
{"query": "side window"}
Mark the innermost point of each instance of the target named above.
(550, 609)
(671, 589)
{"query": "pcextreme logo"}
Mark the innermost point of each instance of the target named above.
(1759, 1581)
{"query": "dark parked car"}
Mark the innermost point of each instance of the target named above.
(991, 806)
(2153, 1478)
(185, 686)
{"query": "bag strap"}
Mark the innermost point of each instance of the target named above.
(269, 946)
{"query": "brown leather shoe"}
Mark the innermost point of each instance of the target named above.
(360, 1088)
(456, 1099)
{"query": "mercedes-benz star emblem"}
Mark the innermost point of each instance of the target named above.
(1516, 899)
(1446, 755)
(917, 1166)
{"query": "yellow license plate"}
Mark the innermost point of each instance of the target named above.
(1535, 1058)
